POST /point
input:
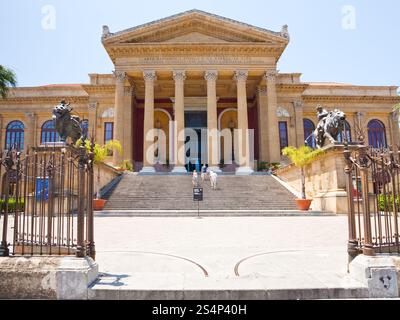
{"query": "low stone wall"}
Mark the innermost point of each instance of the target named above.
(380, 274)
(46, 277)
(107, 174)
(325, 181)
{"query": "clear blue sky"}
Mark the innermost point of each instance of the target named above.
(320, 48)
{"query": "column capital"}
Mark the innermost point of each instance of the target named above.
(298, 104)
(120, 75)
(149, 75)
(270, 75)
(92, 106)
(211, 75)
(179, 75)
(394, 115)
(241, 75)
(262, 91)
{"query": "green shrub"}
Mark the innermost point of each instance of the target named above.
(12, 203)
(385, 202)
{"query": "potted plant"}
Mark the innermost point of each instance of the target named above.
(126, 166)
(100, 155)
(301, 157)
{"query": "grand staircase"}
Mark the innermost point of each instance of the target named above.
(168, 192)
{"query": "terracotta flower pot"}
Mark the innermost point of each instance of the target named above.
(98, 204)
(303, 204)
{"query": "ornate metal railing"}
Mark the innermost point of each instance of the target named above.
(46, 202)
(373, 190)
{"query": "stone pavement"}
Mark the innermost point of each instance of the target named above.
(223, 258)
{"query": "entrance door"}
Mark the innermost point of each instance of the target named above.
(196, 139)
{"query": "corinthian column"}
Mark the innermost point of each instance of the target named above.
(179, 134)
(148, 126)
(298, 111)
(394, 129)
(243, 154)
(92, 111)
(30, 136)
(273, 134)
(212, 121)
(262, 113)
(119, 114)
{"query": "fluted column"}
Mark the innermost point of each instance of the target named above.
(30, 131)
(92, 112)
(262, 114)
(148, 126)
(127, 122)
(298, 112)
(394, 129)
(273, 134)
(243, 154)
(119, 114)
(212, 120)
(179, 78)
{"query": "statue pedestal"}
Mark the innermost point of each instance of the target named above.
(325, 179)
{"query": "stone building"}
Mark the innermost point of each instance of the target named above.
(197, 70)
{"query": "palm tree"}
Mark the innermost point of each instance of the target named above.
(301, 157)
(7, 79)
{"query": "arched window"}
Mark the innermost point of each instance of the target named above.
(15, 135)
(309, 129)
(49, 133)
(345, 133)
(376, 134)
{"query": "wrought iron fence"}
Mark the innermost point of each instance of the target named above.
(46, 200)
(373, 190)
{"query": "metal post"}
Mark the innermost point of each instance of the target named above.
(50, 212)
(80, 249)
(352, 241)
(368, 248)
(92, 249)
(7, 162)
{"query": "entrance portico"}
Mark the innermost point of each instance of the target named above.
(201, 56)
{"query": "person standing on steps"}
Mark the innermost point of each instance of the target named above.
(203, 173)
(195, 179)
(213, 180)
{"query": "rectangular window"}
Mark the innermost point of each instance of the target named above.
(108, 131)
(283, 134)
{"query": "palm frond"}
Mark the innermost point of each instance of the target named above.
(302, 156)
(7, 79)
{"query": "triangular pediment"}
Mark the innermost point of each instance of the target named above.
(194, 27)
(198, 37)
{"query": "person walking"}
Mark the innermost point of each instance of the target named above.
(195, 178)
(213, 180)
(203, 173)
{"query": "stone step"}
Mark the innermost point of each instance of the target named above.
(156, 286)
(175, 192)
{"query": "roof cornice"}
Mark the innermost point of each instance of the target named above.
(350, 99)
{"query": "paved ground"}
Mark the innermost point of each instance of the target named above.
(141, 257)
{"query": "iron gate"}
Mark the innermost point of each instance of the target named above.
(373, 190)
(46, 202)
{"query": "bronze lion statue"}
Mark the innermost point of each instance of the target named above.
(66, 125)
